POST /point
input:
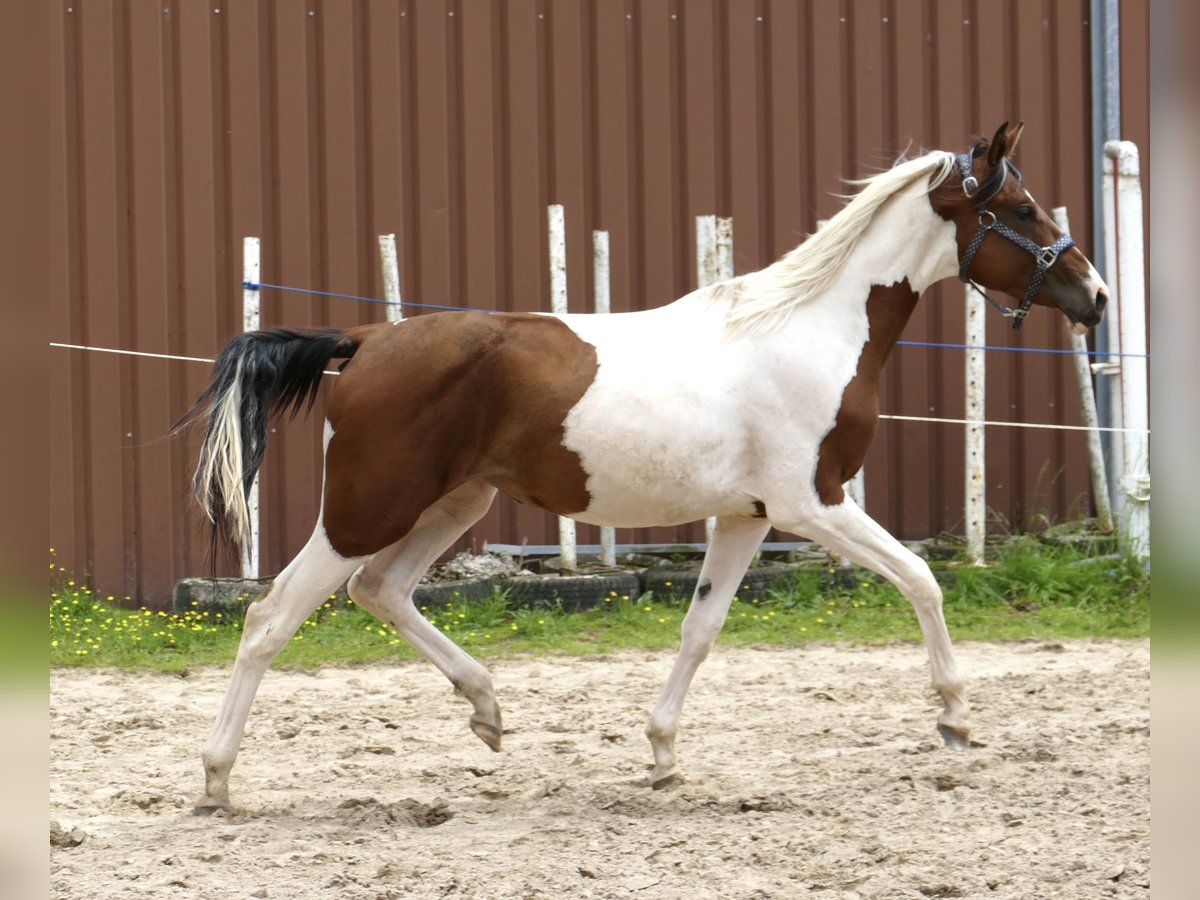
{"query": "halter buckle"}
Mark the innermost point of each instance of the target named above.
(1046, 256)
(970, 184)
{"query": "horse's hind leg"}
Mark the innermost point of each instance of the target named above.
(734, 543)
(309, 579)
(384, 587)
(850, 533)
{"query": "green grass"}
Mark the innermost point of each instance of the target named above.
(1032, 590)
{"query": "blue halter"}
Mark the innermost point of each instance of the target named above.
(1044, 257)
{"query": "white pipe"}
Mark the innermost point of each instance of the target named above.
(1109, 369)
(251, 321)
(975, 446)
(603, 294)
(558, 306)
(714, 263)
(390, 264)
(1129, 287)
(1087, 403)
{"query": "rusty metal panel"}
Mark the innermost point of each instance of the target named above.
(179, 128)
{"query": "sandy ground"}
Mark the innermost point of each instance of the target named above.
(812, 773)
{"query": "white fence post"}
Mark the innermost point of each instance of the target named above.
(714, 263)
(1126, 279)
(603, 294)
(251, 321)
(976, 449)
(390, 264)
(1087, 403)
(558, 306)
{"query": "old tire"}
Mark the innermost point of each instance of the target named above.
(571, 591)
(681, 583)
(447, 593)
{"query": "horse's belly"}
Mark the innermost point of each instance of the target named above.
(652, 460)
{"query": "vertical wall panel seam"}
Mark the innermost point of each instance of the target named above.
(503, 139)
(367, 272)
(764, 252)
(724, 142)
(457, 169)
(810, 131)
(548, 181)
(635, 155)
(225, 270)
(85, 544)
(126, 305)
(681, 278)
(412, 156)
(177, 338)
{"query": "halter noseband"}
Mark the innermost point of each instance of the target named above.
(1044, 257)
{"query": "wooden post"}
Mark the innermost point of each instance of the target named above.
(603, 295)
(390, 264)
(975, 446)
(714, 263)
(558, 306)
(251, 321)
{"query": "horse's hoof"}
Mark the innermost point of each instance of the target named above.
(667, 781)
(206, 807)
(955, 738)
(486, 732)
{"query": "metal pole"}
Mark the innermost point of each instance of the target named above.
(1087, 403)
(603, 295)
(976, 451)
(1130, 300)
(558, 306)
(390, 264)
(251, 321)
(714, 263)
(1105, 58)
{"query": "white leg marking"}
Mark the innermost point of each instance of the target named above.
(315, 573)
(851, 533)
(384, 587)
(734, 542)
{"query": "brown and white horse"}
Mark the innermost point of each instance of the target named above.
(752, 400)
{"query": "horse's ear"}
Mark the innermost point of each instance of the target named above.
(998, 148)
(1014, 138)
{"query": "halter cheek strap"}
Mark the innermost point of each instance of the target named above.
(1044, 257)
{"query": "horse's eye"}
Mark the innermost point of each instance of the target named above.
(1024, 213)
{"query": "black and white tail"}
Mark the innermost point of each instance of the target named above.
(258, 374)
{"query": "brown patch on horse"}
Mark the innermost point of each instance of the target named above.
(439, 400)
(844, 448)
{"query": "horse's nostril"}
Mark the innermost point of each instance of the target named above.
(1101, 300)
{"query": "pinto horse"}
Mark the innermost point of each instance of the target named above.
(752, 400)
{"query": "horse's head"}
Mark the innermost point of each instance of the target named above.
(1008, 243)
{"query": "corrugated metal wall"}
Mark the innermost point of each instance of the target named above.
(180, 127)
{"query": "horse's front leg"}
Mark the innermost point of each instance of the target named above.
(733, 546)
(850, 533)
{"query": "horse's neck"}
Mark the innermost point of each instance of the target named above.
(907, 241)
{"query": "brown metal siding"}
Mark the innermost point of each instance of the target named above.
(178, 129)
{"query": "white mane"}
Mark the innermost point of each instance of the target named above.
(763, 299)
